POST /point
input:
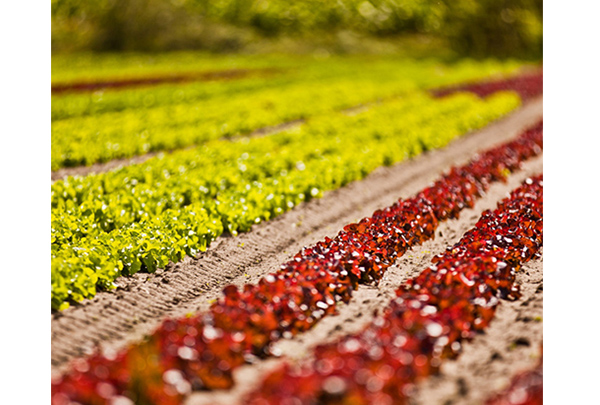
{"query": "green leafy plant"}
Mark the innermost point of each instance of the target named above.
(100, 127)
(140, 217)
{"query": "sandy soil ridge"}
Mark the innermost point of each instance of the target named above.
(125, 315)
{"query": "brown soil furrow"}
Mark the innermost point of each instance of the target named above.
(354, 316)
(140, 302)
(96, 168)
(511, 344)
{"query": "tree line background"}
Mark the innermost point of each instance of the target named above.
(484, 28)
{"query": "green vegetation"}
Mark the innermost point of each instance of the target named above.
(476, 28)
(86, 66)
(73, 105)
(141, 217)
(101, 126)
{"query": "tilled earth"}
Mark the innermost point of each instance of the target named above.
(512, 342)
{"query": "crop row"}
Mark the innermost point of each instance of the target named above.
(101, 85)
(432, 315)
(201, 351)
(104, 137)
(80, 105)
(422, 73)
(110, 125)
(144, 216)
(89, 67)
(311, 76)
(528, 85)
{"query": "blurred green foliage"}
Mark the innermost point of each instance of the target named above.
(475, 28)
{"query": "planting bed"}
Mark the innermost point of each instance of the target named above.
(371, 237)
(143, 216)
(241, 254)
(432, 314)
(105, 125)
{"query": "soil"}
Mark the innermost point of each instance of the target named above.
(120, 317)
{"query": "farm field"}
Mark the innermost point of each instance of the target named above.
(119, 222)
(224, 238)
(105, 125)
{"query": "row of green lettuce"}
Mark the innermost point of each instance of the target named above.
(140, 217)
(280, 73)
(82, 104)
(69, 68)
(71, 105)
(102, 126)
(105, 137)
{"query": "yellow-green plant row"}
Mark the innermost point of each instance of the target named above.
(73, 105)
(88, 67)
(132, 132)
(137, 121)
(141, 217)
(307, 71)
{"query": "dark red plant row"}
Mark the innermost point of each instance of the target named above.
(526, 388)
(200, 352)
(229, 74)
(528, 85)
(433, 313)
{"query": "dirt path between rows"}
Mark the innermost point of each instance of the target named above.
(138, 305)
